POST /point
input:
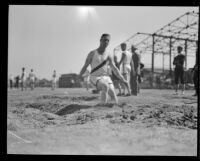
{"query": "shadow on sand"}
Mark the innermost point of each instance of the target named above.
(71, 109)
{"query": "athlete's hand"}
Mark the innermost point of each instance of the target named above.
(126, 83)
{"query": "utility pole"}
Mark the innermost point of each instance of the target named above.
(163, 61)
(186, 54)
(170, 55)
(152, 59)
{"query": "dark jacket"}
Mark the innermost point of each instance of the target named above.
(136, 61)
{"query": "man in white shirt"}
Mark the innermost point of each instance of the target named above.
(11, 80)
(53, 85)
(127, 64)
(135, 84)
(99, 59)
(32, 79)
(23, 79)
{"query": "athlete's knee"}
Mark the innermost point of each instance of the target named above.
(105, 87)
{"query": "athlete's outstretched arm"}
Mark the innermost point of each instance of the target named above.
(115, 70)
(87, 63)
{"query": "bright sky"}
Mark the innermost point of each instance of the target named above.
(45, 38)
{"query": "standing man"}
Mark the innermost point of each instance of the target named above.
(23, 79)
(53, 83)
(179, 70)
(17, 78)
(86, 79)
(99, 59)
(126, 61)
(32, 79)
(136, 74)
(11, 81)
(195, 73)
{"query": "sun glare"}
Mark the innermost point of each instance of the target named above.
(86, 12)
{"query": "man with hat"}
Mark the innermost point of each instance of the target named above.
(179, 70)
(195, 72)
(135, 72)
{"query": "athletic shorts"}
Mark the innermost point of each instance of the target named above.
(32, 80)
(179, 75)
(126, 69)
(54, 80)
(24, 81)
(95, 79)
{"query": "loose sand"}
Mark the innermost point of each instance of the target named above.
(69, 121)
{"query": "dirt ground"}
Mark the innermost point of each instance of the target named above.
(69, 121)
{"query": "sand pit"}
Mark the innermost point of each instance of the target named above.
(148, 124)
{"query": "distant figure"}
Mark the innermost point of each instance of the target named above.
(11, 80)
(99, 59)
(140, 77)
(126, 61)
(72, 82)
(17, 79)
(195, 73)
(32, 79)
(179, 70)
(135, 77)
(86, 79)
(116, 81)
(158, 81)
(53, 84)
(23, 79)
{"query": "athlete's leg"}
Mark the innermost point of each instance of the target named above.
(103, 87)
(123, 85)
(32, 85)
(176, 80)
(127, 78)
(52, 85)
(134, 85)
(118, 86)
(25, 84)
(112, 93)
(22, 85)
(182, 81)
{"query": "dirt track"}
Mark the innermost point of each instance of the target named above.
(68, 121)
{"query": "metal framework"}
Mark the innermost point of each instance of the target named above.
(182, 31)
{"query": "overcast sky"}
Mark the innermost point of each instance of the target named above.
(45, 38)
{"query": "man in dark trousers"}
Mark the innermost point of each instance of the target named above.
(17, 78)
(179, 70)
(136, 73)
(195, 73)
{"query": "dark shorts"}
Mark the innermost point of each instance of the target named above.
(179, 75)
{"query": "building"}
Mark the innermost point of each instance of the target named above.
(69, 81)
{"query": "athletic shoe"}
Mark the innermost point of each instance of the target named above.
(182, 92)
(128, 94)
(175, 93)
